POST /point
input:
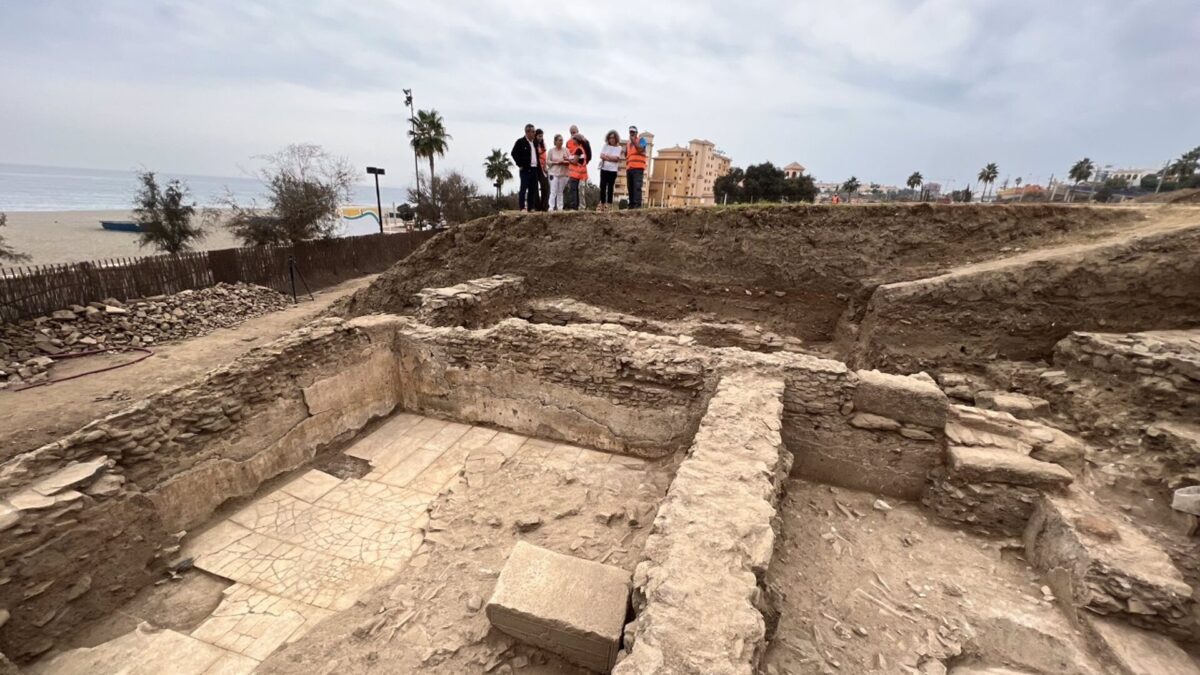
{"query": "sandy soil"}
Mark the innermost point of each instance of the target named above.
(71, 236)
(40, 415)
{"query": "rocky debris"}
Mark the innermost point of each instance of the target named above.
(1018, 405)
(1137, 652)
(1094, 559)
(569, 606)
(26, 347)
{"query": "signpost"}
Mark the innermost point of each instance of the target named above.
(377, 172)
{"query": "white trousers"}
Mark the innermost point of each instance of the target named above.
(558, 185)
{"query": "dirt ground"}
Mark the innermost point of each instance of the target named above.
(796, 269)
(862, 588)
(40, 415)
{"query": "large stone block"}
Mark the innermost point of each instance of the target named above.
(572, 607)
(907, 399)
(1095, 560)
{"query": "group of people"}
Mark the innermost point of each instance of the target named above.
(551, 177)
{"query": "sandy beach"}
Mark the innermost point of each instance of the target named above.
(72, 236)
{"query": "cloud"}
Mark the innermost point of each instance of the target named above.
(876, 89)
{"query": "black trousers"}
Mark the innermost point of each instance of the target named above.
(527, 195)
(544, 185)
(608, 180)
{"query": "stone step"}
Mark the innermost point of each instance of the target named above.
(976, 426)
(996, 465)
(1095, 559)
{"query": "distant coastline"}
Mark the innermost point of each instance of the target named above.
(29, 188)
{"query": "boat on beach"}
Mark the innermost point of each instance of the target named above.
(121, 225)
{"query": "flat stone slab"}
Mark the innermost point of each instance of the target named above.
(1138, 652)
(253, 623)
(1017, 405)
(996, 465)
(907, 399)
(72, 475)
(572, 607)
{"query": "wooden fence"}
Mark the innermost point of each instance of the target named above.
(28, 291)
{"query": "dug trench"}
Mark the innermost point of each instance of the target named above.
(346, 495)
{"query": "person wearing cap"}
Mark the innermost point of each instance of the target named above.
(525, 155)
(579, 155)
(635, 167)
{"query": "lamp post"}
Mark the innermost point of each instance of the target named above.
(377, 172)
(412, 122)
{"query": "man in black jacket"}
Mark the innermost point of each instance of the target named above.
(525, 156)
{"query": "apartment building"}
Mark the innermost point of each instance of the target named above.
(685, 176)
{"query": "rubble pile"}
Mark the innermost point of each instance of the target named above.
(28, 348)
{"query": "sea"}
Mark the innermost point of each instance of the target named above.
(52, 188)
(54, 213)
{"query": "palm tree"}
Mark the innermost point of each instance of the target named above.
(1080, 172)
(428, 137)
(987, 176)
(851, 186)
(498, 167)
(914, 182)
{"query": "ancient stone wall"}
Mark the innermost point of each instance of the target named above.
(697, 590)
(90, 519)
(600, 387)
(865, 430)
(471, 304)
(1019, 308)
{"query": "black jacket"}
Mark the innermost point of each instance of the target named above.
(521, 156)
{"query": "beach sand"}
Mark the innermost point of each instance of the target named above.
(72, 236)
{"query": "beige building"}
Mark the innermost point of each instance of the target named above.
(793, 170)
(684, 176)
(621, 188)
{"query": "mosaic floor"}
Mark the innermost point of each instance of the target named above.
(313, 546)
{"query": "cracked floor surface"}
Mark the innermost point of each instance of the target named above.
(312, 546)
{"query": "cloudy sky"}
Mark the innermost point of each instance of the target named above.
(875, 88)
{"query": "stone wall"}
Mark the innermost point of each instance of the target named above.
(90, 519)
(471, 304)
(866, 430)
(707, 331)
(601, 387)
(697, 591)
(1020, 307)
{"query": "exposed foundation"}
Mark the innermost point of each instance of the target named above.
(352, 490)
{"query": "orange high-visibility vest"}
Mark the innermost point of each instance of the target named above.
(635, 156)
(576, 170)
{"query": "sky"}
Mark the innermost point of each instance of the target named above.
(871, 88)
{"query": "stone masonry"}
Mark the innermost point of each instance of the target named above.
(697, 590)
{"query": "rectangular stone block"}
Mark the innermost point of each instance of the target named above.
(903, 398)
(572, 607)
(996, 465)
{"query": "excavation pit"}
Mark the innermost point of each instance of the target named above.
(349, 493)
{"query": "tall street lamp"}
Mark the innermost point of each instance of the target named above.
(412, 121)
(377, 172)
